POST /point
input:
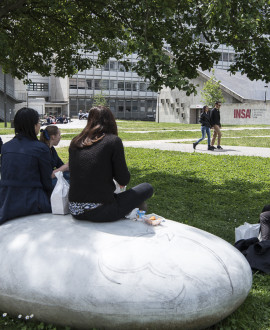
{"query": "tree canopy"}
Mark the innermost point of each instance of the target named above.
(46, 35)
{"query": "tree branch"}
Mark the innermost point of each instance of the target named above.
(4, 11)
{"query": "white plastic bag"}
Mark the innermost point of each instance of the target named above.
(59, 197)
(247, 230)
(118, 189)
(133, 214)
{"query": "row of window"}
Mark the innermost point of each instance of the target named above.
(140, 107)
(104, 84)
(227, 57)
(115, 66)
(35, 86)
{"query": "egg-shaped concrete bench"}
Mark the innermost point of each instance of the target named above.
(119, 275)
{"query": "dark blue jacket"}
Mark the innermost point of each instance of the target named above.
(205, 119)
(1, 143)
(26, 184)
(56, 160)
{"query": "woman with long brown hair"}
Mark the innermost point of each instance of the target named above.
(96, 159)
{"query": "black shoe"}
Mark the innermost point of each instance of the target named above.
(143, 207)
(211, 148)
(194, 145)
(219, 147)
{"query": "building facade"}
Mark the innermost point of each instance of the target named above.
(127, 94)
(246, 101)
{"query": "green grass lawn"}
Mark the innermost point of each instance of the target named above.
(215, 194)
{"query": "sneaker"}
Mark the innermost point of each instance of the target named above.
(194, 145)
(219, 147)
(211, 148)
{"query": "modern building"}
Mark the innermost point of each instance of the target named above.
(127, 94)
(246, 101)
(9, 96)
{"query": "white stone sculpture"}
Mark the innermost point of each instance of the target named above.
(118, 275)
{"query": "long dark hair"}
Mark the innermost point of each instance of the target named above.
(100, 122)
(204, 107)
(24, 122)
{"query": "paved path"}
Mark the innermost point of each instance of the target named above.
(173, 145)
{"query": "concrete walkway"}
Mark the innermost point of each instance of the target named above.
(174, 145)
(171, 145)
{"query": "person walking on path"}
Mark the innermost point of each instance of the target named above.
(205, 128)
(215, 121)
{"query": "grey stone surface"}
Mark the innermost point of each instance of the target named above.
(119, 275)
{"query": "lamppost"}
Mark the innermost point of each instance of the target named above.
(5, 99)
(266, 86)
(158, 94)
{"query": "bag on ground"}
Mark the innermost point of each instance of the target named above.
(247, 230)
(59, 197)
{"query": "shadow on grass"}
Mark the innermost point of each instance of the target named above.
(214, 207)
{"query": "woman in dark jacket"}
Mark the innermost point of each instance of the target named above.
(205, 128)
(26, 184)
(96, 159)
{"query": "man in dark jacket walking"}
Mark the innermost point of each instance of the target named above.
(215, 121)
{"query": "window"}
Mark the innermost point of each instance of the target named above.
(120, 106)
(128, 105)
(82, 83)
(81, 104)
(89, 83)
(73, 83)
(97, 84)
(121, 67)
(38, 87)
(134, 106)
(231, 57)
(142, 106)
(112, 105)
(106, 67)
(105, 84)
(113, 66)
(225, 57)
(128, 86)
(114, 85)
(135, 86)
(149, 106)
(143, 87)
(121, 86)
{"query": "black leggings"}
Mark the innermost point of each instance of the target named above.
(265, 223)
(122, 205)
